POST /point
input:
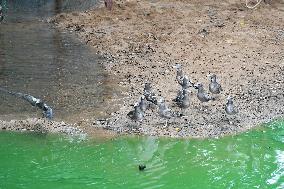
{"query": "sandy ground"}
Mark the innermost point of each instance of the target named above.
(142, 40)
(41, 126)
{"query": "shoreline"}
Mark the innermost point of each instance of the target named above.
(42, 125)
(142, 40)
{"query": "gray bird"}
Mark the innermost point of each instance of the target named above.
(183, 101)
(214, 86)
(201, 95)
(1, 14)
(47, 111)
(164, 111)
(143, 103)
(230, 107)
(186, 83)
(136, 114)
(180, 75)
(149, 94)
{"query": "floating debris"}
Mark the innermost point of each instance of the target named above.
(142, 167)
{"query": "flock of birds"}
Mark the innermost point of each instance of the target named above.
(182, 99)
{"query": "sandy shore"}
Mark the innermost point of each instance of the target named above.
(142, 40)
(41, 126)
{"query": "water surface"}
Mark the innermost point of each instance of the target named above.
(250, 160)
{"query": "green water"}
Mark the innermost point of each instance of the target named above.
(250, 160)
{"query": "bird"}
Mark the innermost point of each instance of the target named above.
(142, 167)
(1, 14)
(230, 107)
(164, 111)
(183, 100)
(136, 114)
(149, 94)
(214, 86)
(47, 111)
(143, 103)
(201, 95)
(186, 83)
(180, 75)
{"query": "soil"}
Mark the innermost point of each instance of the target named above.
(142, 41)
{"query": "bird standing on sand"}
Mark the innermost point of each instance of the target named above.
(230, 107)
(183, 101)
(201, 95)
(136, 114)
(214, 86)
(149, 94)
(164, 111)
(1, 14)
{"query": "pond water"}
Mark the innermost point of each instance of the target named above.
(250, 160)
(37, 59)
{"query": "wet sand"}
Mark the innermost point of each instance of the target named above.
(142, 40)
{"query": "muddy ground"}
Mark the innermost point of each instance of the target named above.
(142, 40)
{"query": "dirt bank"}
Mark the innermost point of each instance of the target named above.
(142, 40)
